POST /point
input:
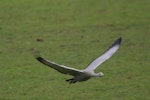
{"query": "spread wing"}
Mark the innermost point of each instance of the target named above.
(60, 68)
(105, 56)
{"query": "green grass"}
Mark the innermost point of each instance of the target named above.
(73, 32)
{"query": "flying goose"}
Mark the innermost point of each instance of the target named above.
(88, 72)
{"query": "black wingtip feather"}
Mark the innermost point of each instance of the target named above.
(117, 42)
(42, 60)
(36, 54)
(39, 58)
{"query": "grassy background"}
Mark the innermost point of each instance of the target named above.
(73, 32)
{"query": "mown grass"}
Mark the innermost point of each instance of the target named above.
(73, 32)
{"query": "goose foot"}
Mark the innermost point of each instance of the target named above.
(71, 81)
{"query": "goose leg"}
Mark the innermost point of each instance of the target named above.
(71, 81)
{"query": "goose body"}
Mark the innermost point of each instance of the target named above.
(88, 72)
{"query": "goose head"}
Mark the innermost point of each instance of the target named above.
(99, 74)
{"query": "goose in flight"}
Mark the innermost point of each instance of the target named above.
(88, 72)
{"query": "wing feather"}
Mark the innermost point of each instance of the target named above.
(60, 68)
(105, 56)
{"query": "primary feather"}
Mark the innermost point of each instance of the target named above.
(106, 55)
(61, 68)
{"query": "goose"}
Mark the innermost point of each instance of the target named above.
(88, 72)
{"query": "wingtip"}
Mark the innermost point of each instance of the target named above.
(40, 59)
(118, 41)
(36, 54)
(120, 38)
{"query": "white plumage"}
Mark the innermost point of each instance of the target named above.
(88, 72)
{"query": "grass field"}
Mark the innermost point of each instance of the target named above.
(72, 33)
